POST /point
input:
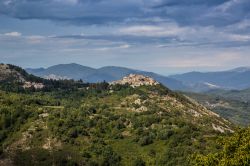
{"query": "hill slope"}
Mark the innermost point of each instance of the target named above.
(16, 79)
(11, 73)
(235, 151)
(105, 125)
(238, 78)
(240, 95)
(232, 105)
(109, 73)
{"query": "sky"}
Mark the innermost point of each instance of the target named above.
(163, 36)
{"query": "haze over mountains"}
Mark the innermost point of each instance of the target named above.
(236, 79)
(108, 73)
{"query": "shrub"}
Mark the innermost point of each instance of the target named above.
(109, 157)
(138, 162)
(235, 151)
(146, 140)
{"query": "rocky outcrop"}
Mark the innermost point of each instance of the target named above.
(136, 80)
(28, 85)
(15, 74)
(6, 73)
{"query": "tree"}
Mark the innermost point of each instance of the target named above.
(138, 162)
(235, 151)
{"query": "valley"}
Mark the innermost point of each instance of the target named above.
(232, 105)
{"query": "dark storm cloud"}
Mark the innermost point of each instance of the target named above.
(72, 11)
(204, 12)
(184, 12)
(167, 3)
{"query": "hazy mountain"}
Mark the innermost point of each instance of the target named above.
(238, 78)
(73, 71)
(109, 73)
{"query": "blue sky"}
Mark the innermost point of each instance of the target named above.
(164, 36)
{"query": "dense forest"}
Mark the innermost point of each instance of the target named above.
(92, 126)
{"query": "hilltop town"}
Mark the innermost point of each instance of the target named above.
(135, 80)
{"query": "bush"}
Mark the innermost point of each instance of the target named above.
(109, 157)
(138, 162)
(72, 133)
(235, 151)
(166, 134)
(146, 140)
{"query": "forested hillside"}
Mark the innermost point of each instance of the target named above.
(235, 151)
(232, 105)
(103, 125)
(16, 79)
(138, 123)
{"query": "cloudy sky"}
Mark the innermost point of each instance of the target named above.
(164, 36)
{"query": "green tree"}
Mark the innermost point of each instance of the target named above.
(235, 151)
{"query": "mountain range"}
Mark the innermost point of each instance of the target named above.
(108, 73)
(236, 79)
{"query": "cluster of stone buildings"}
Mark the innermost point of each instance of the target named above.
(55, 77)
(35, 85)
(136, 80)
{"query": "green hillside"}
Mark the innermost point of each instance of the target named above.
(141, 123)
(14, 78)
(232, 105)
(105, 125)
(235, 151)
(240, 95)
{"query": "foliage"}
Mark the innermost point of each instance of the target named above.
(235, 151)
(99, 125)
(231, 105)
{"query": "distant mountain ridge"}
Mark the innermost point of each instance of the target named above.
(235, 79)
(108, 73)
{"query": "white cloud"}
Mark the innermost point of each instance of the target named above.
(188, 35)
(13, 34)
(150, 30)
(192, 61)
(236, 37)
(34, 39)
(124, 46)
(227, 5)
(7, 2)
(244, 24)
(72, 2)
